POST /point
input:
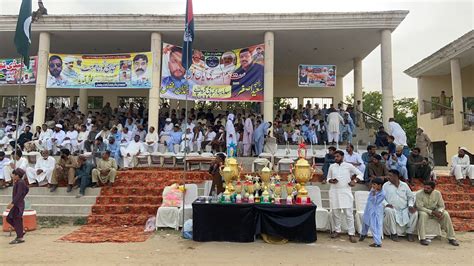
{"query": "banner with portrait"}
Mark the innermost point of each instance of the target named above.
(317, 76)
(10, 71)
(111, 71)
(235, 75)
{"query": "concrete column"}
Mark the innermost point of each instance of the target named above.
(268, 77)
(154, 93)
(387, 84)
(421, 96)
(357, 80)
(40, 89)
(83, 101)
(456, 85)
(173, 104)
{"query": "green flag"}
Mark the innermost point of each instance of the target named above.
(23, 32)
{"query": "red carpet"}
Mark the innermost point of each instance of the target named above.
(121, 211)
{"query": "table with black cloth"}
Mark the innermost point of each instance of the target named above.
(242, 222)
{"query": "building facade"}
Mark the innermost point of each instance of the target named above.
(341, 39)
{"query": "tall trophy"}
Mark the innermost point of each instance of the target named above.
(303, 172)
(265, 175)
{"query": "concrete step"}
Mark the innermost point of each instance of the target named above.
(58, 209)
(53, 199)
(60, 191)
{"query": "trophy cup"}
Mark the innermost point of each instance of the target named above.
(303, 172)
(265, 174)
(226, 173)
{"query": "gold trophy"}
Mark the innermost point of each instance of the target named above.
(265, 174)
(303, 172)
(226, 173)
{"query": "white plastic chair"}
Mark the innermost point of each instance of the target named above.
(284, 165)
(172, 216)
(259, 163)
(322, 214)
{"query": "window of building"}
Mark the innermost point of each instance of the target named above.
(137, 101)
(282, 102)
(321, 101)
(12, 101)
(57, 101)
(93, 102)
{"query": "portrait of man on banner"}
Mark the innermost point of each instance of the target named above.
(140, 76)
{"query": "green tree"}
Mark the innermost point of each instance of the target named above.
(372, 103)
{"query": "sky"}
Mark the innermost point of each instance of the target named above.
(430, 25)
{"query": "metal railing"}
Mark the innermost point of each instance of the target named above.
(468, 119)
(436, 109)
(369, 120)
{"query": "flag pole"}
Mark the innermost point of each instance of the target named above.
(18, 110)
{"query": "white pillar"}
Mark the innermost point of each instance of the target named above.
(421, 96)
(357, 81)
(154, 93)
(83, 101)
(268, 77)
(387, 84)
(40, 89)
(456, 85)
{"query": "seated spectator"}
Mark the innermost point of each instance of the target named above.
(418, 166)
(329, 159)
(25, 137)
(218, 144)
(400, 211)
(461, 166)
(99, 147)
(430, 205)
(66, 169)
(381, 138)
(56, 139)
(114, 149)
(43, 170)
(197, 139)
(175, 138)
(376, 168)
(31, 145)
(398, 161)
(83, 175)
(45, 135)
(4, 162)
(151, 140)
(186, 140)
(354, 158)
(133, 149)
(391, 147)
(322, 132)
(208, 137)
(82, 138)
(367, 158)
(70, 140)
(91, 138)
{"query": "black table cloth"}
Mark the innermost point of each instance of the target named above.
(241, 222)
(223, 222)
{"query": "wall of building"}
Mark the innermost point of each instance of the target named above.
(437, 131)
(431, 86)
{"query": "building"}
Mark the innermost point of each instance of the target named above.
(448, 124)
(341, 39)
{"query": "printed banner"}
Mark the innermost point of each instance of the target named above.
(317, 76)
(10, 71)
(235, 75)
(114, 71)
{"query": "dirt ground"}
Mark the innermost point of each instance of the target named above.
(168, 248)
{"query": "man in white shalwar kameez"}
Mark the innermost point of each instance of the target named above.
(81, 138)
(399, 135)
(248, 136)
(166, 132)
(334, 121)
(340, 193)
(151, 140)
(43, 170)
(70, 140)
(186, 140)
(3, 163)
(56, 139)
(45, 135)
(19, 162)
(461, 166)
(133, 149)
(400, 212)
(231, 136)
(352, 157)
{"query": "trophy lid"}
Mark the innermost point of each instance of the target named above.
(231, 161)
(302, 162)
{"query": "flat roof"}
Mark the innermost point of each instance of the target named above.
(438, 63)
(300, 38)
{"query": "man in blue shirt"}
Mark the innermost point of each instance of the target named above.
(175, 138)
(114, 149)
(398, 162)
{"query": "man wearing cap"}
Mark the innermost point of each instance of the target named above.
(186, 140)
(423, 142)
(400, 211)
(398, 161)
(151, 140)
(461, 165)
(175, 138)
(133, 149)
(43, 170)
(167, 129)
(56, 139)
